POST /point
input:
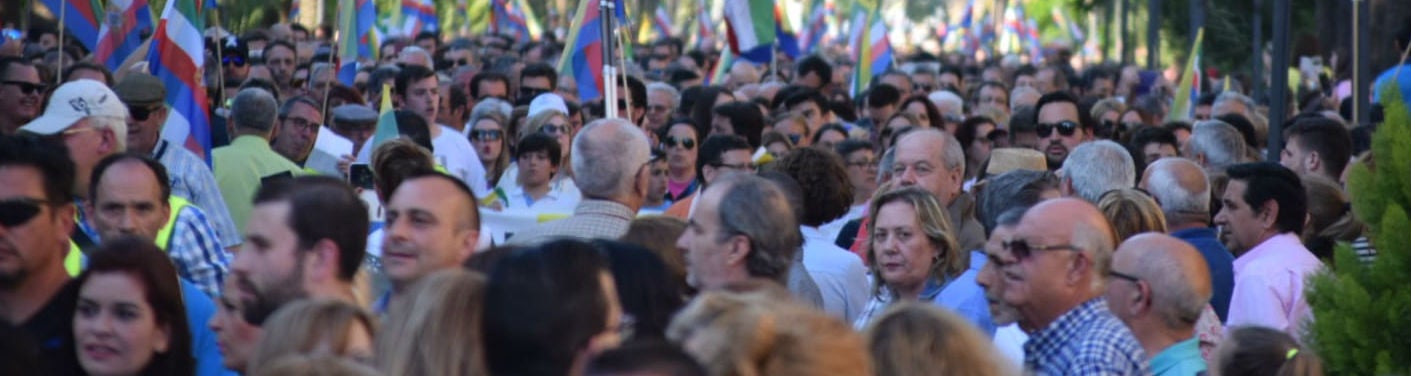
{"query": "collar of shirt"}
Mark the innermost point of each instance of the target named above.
(604, 208)
(1045, 342)
(252, 142)
(1269, 248)
(1178, 354)
(1195, 233)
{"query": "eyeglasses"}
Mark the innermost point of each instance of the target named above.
(238, 61)
(1124, 276)
(1022, 249)
(27, 88)
(863, 164)
(554, 130)
(301, 123)
(795, 138)
(686, 143)
(1064, 128)
(18, 211)
(459, 62)
(486, 134)
(142, 113)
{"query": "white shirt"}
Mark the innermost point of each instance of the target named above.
(454, 152)
(831, 229)
(840, 276)
(1010, 341)
(562, 198)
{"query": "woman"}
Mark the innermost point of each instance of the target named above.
(920, 339)
(829, 135)
(924, 111)
(776, 144)
(129, 318)
(1260, 351)
(1131, 212)
(972, 135)
(554, 124)
(314, 327)
(794, 127)
(1108, 114)
(1330, 218)
(766, 333)
(487, 135)
(914, 256)
(861, 162)
(680, 144)
(236, 337)
(437, 330)
(539, 160)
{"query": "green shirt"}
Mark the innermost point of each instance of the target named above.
(241, 167)
(1182, 358)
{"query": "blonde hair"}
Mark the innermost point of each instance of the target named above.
(534, 123)
(303, 326)
(934, 223)
(1107, 105)
(756, 334)
(914, 338)
(1131, 212)
(436, 331)
(1330, 217)
(315, 365)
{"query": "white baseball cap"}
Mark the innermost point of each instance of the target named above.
(74, 101)
(545, 102)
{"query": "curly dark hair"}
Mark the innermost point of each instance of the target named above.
(829, 193)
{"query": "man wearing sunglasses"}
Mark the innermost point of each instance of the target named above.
(1060, 126)
(1159, 287)
(1055, 277)
(21, 93)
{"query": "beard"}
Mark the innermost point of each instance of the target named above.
(263, 303)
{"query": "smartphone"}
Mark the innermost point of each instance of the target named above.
(360, 175)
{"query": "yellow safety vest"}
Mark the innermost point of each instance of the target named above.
(73, 261)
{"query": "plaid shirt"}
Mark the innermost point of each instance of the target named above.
(196, 251)
(1087, 340)
(592, 219)
(192, 179)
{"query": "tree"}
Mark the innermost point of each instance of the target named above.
(1362, 313)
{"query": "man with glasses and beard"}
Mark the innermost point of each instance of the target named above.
(21, 93)
(1060, 126)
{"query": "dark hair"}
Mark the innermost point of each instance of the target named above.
(542, 307)
(414, 127)
(541, 70)
(655, 357)
(1091, 75)
(426, 34)
(645, 288)
(829, 193)
(967, 133)
(1242, 125)
(1266, 181)
(715, 147)
(51, 158)
(322, 207)
(348, 95)
(410, 74)
(395, 160)
(1024, 70)
(158, 170)
(1177, 126)
(745, 118)
(1084, 118)
(288, 105)
(1014, 189)
(850, 146)
(1259, 351)
(933, 114)
(818, 136)
(488, 76)
(378, 77)
(269, 46)
(262, 84)
(1147, 135)
(1207, 99)
(540, 142)
(814, 64)
(702, 103)
(1327, 137)
(882, 95)
(7, 61)
(801, 96)
(141, 260)
(89, 65)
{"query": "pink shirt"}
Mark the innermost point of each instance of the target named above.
(1269, 282)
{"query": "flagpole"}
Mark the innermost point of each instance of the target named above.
(220, 56)
(59, 73)
(606, 10)
(337, 49)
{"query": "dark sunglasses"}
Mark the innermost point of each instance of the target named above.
(671, 142)
(1065, 128)
(551, 129)
(18, 211)
(238, 61)
(1021, 249)
(142, 113)
(458, 62)
(795, 138)
(486, 135)
(27, 87)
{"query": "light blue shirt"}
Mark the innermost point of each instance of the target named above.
(1404, 80)
(1181, 359)
(964, 296)
(199, 309)
(840, 275)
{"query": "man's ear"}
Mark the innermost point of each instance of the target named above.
(738, 249)
(1269, 213)
(323, 259)
(1313, 162)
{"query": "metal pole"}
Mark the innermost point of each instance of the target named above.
(1197, 9)
(608, 9)
(1153, 34)
(1257, 58)
(1278, 85)
(1125, 32)
(1361, 65)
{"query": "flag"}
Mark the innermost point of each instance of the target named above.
(1189, 91)
(357, 42)
(582, 57)
(121, 34)
(1075, 34)
(872, 50)
(816, 26)
(788, 39)
(531, 21)
(507, 19)
(750, 28)
(294, 10)
(662, 21)
(722, 66)
(176, 55)
(705, 27)
(418, 16)
(386, 120)
(80, 17)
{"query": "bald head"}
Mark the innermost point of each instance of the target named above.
(1181, 187)
(1177, 273)
(1084, 227)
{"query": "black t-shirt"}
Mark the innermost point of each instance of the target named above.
(52, 330)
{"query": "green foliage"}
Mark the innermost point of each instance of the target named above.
(1362, 314)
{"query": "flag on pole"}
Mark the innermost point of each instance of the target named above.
(705, 27)
(418, 16)
(1189, 91)
(871, 48)
(751, 29)
(386, 120)
(788, 39)
(293, 10)
(582, 57)
(722, 65)
(816, 27)
(176, 56)
(80, 17)
(121, 34)
(661, 19)
(531, 20)
(356, 40)
(507, 19)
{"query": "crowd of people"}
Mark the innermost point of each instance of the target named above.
(955, 217)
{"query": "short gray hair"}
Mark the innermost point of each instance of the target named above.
(417, 52)
(1228, 96)
(953, 155)
(757, 209)
(607, 154)
(662, 86)
(1015, 189)
(253, 109)
(1221, 144)
(118, 125)
(491, 107)
(1097, 167)
(1177, 198)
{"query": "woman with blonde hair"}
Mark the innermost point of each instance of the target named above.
(553, 124)
(1330, 219)
(920, 339)
(1131, 211)
(756, 333)
(436, 331)
(316, 326)
(913, 255)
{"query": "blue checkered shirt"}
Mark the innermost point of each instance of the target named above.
(197, 252)
(1087, 340)
(193, 180)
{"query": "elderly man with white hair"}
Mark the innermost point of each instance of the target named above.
(950, 105)
(1096, 167)
(662, 101)
(610, 168)
(1159, 288)
(1214, 145)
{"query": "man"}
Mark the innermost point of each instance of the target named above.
(1231, 102)
(933, 160)
(813, 72)
(235, 59)
(415, 56)
(1060, 126)
(299, 121)
(536, 79)
(1023, 96)
(1203, 106)
(21, 93)
(610, 168)
(840, 275)
(882, 103)
(898, 80)
(1025, 77)
(1050, 79)
(248, 161)
(1096, 168)
(190, 178)
(488, 84)
(1097, 82)
(950, 78)
(992, 94)
(742, 229)
(1154, 143)
(322, 77)
(36, 184)
(379, 77)
(718, 155)
(1182, 189)
(417, 90)
(458, 54)
(662, 100)
(812, 106)
(431, 224)
(951, 108)
(1263, 214)
(1317, 145)
(1021, 130)
(1160, 286)
(1214, 145)
(279, 56)
(1062, 252)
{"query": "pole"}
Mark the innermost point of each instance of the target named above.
(1279, 88)
(1126, 32)
(1108, 15)
(1361, 66)
(59, 71)
(220, 57)
(1257, 57)
(607, 9)
(1153, 34)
